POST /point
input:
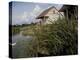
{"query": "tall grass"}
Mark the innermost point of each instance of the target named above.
(15, 30)
(59, 38)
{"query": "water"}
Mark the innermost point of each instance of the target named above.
(19, 37)
(19, 45)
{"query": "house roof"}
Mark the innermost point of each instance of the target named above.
(45, 12)
(64, 7)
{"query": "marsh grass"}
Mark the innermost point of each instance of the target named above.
(15, 30)
(59, 38)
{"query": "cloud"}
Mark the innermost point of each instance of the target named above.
(27, 17)
(19, 18)
(36, 11)
(23, 16)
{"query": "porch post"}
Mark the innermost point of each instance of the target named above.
(67, 14)
(44, 19)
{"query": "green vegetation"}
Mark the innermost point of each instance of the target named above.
(21, 49)
(24, 27)
(15, 30)
(28, 31)
(59, 38)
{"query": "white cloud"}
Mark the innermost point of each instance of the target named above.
(19, 18)
(36, 11)
(23, 16)
(27, 17)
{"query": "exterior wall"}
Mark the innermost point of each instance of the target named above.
(51, 12)
(53, 16)
(70, 12)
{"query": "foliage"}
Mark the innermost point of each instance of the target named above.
(15, 30)
(59, 38)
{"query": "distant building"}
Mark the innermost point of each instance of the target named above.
(70, 11)
(49, 15)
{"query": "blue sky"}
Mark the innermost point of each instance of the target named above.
(26, 12)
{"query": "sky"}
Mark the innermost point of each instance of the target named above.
(26, 12)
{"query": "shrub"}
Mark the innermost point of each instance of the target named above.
(59, 38)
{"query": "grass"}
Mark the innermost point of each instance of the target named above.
(15, 30)
(28, 31)
(59, 38)
(21, 49)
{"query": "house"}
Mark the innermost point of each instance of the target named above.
(49, 15)
(70, 11)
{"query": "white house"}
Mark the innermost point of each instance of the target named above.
(49, 15)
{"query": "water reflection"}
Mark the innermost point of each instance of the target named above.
(19, 45)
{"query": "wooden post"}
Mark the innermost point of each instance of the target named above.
(43, 19)
(67, 14)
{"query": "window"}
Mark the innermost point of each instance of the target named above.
(53, 12)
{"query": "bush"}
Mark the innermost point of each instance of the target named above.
(15, 30)
(59, 38)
